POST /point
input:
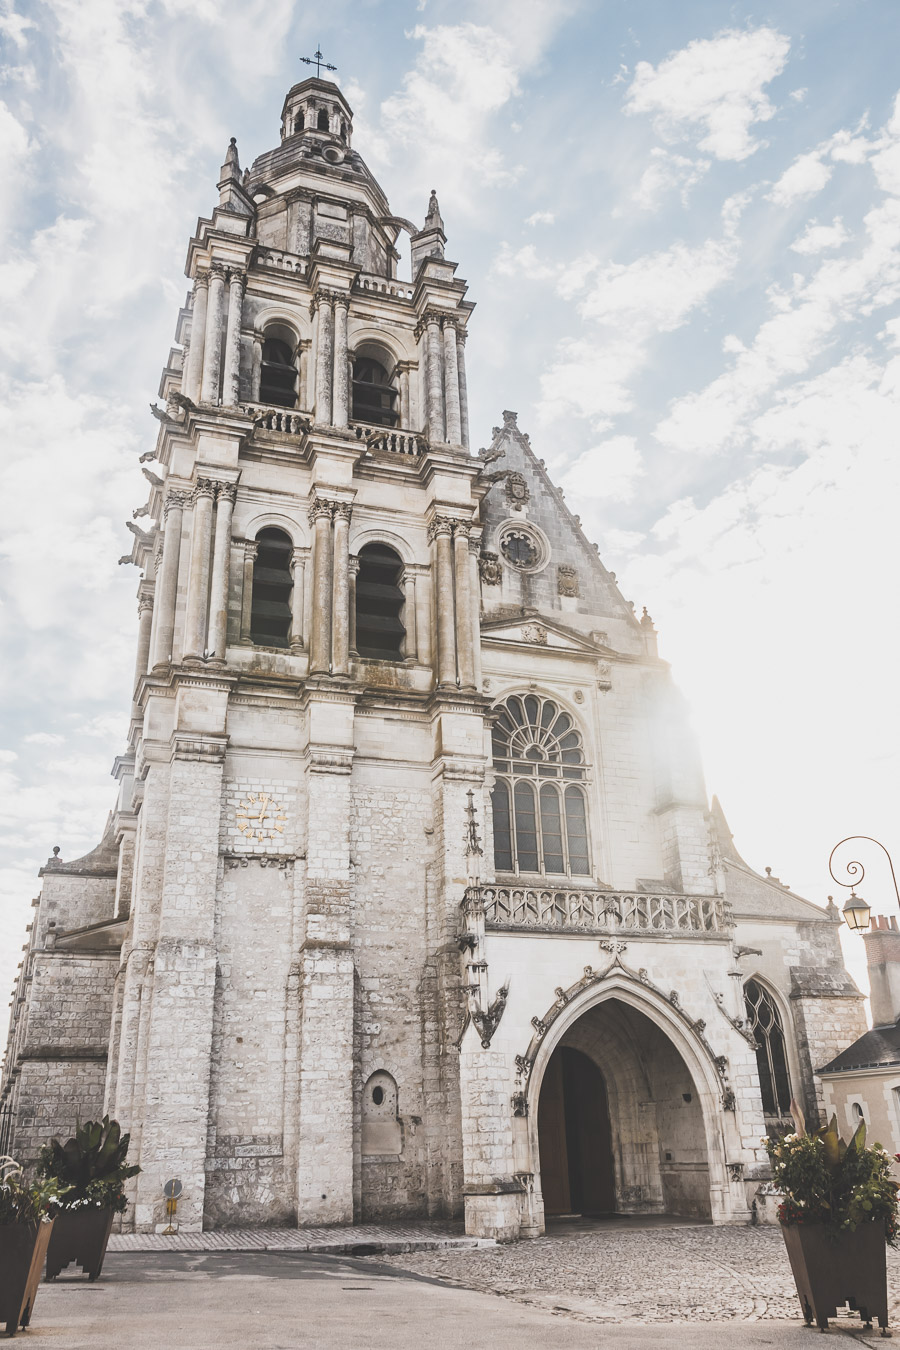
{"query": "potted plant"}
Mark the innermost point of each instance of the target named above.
(91, 1165)
(26, 1223)
(839, 1209)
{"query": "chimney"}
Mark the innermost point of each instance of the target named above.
(883, 959)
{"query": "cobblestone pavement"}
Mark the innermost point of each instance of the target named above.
(618, 1274)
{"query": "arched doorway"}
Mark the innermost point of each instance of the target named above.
(575, 1144)
(620, 1122)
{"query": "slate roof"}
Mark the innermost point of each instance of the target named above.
(877, 1049)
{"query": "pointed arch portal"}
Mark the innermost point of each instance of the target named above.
(622, 1121)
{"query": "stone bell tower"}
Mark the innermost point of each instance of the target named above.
(292, 800)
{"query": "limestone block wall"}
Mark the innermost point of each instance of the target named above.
(50, 1094)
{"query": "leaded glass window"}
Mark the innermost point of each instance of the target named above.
(764, 1020)
(540, 820)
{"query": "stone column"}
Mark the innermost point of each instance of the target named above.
(231, 385)
(167, 580)
(256, 368)
(354, 572)
(451, 383)
(340, 622)
(341, 398)
(297, 596)
(410, 646)
(423, 616)
(320, 641)
(193, 376)
(463, 387)
(403, 372)
(441, 531)
(251, 548)
(433, 376)
(303, 368)
(212, 350)
(324, 358)
(145, 626)
(464, 655)
(475, 603)
(198, 578)
(217, 632)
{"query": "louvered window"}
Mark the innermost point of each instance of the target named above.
(540, 820)
(270, 614)
(374, 396)
(278, 376)
(379, 603)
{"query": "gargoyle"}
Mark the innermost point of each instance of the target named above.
(152, 478)
(486, 1023)
(161, 415)
(488, 456)
(142, 536)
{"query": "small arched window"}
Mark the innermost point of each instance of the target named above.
(540, 820)
(764, 1020)
(270, 613)
(322, 119)
(299, 123)
(374, 396)
(278, 376)
(379, 603)
(343, 131)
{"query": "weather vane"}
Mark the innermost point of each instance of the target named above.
(317, 60)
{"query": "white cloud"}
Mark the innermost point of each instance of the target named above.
(715, 86)
(43, 738)
(817, 238)
(799, 95)
(541, 218)
(609, 470)
(801, 180)
(8, 756)
(523, 262)
(665, 173)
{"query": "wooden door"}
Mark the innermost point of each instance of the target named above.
(552, 1140)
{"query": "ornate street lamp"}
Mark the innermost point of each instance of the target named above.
(856, 911)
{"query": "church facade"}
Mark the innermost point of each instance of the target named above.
(412, 902)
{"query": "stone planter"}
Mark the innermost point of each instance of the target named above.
(23, 1247)
(829, 1271)
(80, 1235)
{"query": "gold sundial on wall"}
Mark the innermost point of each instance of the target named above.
(261, 817)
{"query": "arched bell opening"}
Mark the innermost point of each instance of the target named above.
(620, 1121)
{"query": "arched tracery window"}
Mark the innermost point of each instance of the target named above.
(270, 612)
(374, 396)
(278, 375)
(764, 1020)
(539, 802)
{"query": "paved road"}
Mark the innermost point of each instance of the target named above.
(289, 1301)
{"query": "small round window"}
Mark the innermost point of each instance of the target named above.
(377, 1095)
(523, 546)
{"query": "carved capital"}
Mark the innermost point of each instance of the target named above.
(440, 525)
(250, 547)
(205, 487)
(237, 278)
(175, 501)
(462, 529)
(342, 510)
(353, 566)
(201, 280)
(227, 492)
(145, 603)
(320, 509)
(474, 540)
(217, 272)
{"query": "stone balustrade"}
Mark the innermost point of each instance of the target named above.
(549, 908)
(391, 440)
(400, 290)
(285, 421)
(280, 261)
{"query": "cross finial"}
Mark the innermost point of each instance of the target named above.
(318, 61)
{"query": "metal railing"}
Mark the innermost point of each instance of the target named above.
(603, 911)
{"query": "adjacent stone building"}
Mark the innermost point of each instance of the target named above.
(412, 901)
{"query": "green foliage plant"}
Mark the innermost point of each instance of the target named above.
(28, 1202)
(828, 1182)
(91, 1165)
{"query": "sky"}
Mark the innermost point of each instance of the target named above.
(681, 228)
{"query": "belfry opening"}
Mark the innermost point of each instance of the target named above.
(620, 1122)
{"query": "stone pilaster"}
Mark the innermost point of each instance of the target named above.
(463, 385)
(464, 655)
(193, 375)
(231, 391)
(340, 619)
(324, 358)
(441, 533)
(353, 574)
(198, 580)
(212, 348)
(298, 597)
(451, 383)
(434, 379)
(145, 627)
(475, 603)
(410, 646)
(320, 641)
(256, 368)
(250, 549)
(218, 601)
(341, 391)
(167, 581)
